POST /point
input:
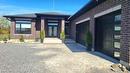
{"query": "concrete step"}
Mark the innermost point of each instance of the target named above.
(52, 40)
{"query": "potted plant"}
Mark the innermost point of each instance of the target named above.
(21, 38)
(42, 35)
(62, 36)
(5, 40)
(89, 40)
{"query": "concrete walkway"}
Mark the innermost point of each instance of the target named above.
(50, 58)
(52, 41)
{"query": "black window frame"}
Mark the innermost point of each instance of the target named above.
(20, 23)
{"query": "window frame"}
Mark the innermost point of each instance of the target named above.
(20, 24)
(118, 18)
(117, 35)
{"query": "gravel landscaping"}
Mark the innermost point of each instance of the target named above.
(50, 58)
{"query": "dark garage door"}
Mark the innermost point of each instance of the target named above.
(105, 33)
(81, 30)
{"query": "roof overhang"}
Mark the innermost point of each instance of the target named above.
(86, 8)
(17, 17)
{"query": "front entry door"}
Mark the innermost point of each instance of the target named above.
(52, 31)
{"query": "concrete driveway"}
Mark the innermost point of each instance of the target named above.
(50, 58)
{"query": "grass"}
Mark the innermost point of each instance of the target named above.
(2, 36)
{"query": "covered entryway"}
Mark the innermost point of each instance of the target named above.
(53, 24)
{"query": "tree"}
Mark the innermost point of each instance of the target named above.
(4, 23)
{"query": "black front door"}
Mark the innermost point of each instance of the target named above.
(52, 31)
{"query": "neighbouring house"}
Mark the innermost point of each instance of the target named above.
(107, 20)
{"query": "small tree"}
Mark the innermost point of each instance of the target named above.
(42, 35)
(62, 36)
(21, 38)
(9, 34)
(89, 40)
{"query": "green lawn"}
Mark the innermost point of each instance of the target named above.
(2, 36)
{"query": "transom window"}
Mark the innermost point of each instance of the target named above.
(118, 18)
(23, 27)
(53, 24)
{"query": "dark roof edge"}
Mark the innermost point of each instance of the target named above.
(51, 14)
(13, 16)
(17, 17)
(87, 7)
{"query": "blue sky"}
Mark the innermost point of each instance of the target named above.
(10, 7)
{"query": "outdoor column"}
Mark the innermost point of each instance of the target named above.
(62, 25)
(33, 29)
(92, 30)
(12, 29)
(125, 34)
(42, 24)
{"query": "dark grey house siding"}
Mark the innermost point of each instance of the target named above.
(125, 25)
(103, 6)
(125, 39)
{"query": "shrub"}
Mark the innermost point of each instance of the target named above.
(89, 40)
(62, 36)
(3, 36)
(42, 35)
(5, 39)
(21, 38)
(4, 31)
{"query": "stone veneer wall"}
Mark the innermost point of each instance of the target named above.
(26, 36)
(125, 39)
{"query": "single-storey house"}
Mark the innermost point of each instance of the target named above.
(107, 20)
(30, 25)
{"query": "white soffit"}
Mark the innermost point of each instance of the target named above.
(84, 20)
(108, 11)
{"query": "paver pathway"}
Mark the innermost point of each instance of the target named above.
(49, 58)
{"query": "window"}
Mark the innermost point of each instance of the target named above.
(118, 18)
(117, 44)
(23, 27)
(55, 24)
(116, 54)
(117, 36)
(117, 28)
